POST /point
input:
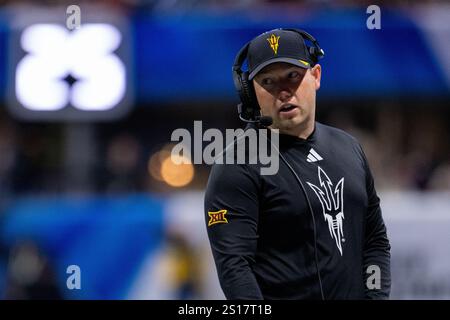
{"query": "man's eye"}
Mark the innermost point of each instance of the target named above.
(267, 81)
(293, 74)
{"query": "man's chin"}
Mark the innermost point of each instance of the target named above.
(289, 126)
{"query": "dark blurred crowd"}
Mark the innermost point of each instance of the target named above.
(407, 147)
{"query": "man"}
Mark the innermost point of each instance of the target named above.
(314, 230)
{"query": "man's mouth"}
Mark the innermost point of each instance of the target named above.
(287, 107)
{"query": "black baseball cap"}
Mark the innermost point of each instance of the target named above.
(277, 45)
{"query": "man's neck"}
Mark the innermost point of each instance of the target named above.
(307, 131)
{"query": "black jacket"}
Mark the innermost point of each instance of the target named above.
(262, 233)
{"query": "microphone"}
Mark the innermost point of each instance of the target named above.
(264, 121)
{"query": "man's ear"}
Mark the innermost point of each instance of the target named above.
(316, 72)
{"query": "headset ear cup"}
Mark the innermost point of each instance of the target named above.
(248, 96)
(248, 108)
(313, 53)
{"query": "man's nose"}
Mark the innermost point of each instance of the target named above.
(284, 92)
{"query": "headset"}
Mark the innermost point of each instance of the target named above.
(249, 111)
(248, 108)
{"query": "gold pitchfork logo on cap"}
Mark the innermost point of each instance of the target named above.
(273, 41)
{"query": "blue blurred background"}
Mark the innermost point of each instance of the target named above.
(92, 185)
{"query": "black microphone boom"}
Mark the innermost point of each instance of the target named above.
(265, 121)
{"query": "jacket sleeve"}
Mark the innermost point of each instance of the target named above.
(231, 212)
(376, 250)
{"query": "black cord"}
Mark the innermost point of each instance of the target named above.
(316, 258)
